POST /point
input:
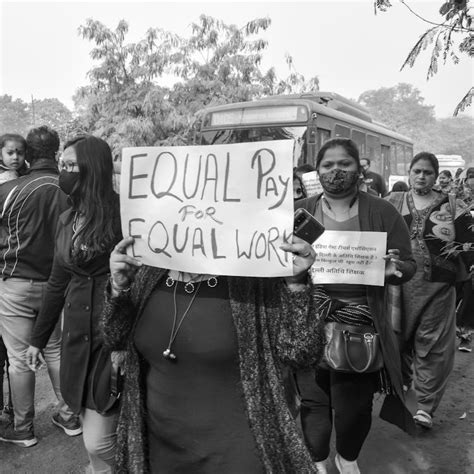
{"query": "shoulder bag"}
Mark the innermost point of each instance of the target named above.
(106, 383)
(352, 348)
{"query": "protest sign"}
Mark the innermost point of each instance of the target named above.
(350, 257)
(220, 209)
(311, 183)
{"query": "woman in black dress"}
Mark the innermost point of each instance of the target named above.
(203, 390)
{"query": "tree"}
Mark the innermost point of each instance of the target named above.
(18, 116)
(455, 35)
(218, 63)
(402, 109)
(14, 115)
(53, 113)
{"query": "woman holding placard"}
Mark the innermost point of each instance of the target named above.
(342, 207)
(441, 230)
(203, 388)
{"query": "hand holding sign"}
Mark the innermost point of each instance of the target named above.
(303, 254)
(122, 266)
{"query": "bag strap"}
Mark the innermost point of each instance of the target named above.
(368, 343)
(114, 388)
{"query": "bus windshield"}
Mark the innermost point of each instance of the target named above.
(257, 134)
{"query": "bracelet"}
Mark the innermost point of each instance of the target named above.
(116, 288)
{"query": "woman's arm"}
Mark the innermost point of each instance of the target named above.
(118, 315)
(300, 333)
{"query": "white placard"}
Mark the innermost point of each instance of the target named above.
(311, 183)
(350, 257)
(220, 209)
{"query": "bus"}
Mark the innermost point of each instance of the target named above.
(451, 163)
(309, 119)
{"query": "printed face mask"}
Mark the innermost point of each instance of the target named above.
(68, 180)
(338, 181)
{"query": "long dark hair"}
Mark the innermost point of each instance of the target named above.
(93, 198)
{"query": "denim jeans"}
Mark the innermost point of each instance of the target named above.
(20, 301)
(99, 433)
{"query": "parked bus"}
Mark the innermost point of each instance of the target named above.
(451, 163)
(310, 119)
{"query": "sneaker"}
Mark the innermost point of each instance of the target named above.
(423, 419)
(465, 344)
(346, 467)
(24, 438)
(71, 427)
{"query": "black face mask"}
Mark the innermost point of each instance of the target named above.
(68, 181)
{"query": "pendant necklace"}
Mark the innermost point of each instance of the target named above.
(189, 286)
(167, 353)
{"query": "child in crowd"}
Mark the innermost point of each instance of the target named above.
(12, 161)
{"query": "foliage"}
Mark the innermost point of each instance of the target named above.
(402, 109)
(449, 39)
(14, 115)
(17, 116)
(218, 63)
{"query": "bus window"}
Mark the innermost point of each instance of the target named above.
(342, 132)
(401, 169)
(408, 155)
(359, 139)
(323, 137)
(257, 134)
(385, 149)
(393, 159)
(373, 152)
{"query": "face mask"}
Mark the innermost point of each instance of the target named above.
(68, 181)
(338, 181)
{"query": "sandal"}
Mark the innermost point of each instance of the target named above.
(423, 419)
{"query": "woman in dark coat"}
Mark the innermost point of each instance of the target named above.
(343, 207)
(85, 235)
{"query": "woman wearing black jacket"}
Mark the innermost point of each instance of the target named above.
(85, 236)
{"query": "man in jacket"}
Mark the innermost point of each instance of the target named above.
(30, 207)
(373, 180)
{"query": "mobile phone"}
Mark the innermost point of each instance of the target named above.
(306, 227)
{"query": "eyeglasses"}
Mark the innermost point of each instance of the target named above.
(68, 166)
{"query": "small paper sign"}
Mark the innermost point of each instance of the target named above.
(311, 183)
(350, 257)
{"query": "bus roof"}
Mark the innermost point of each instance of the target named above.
(312, 103)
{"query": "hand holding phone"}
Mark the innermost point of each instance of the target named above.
(306, 226)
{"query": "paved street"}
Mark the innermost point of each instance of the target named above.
(447, 449)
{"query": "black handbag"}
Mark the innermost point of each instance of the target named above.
(353, 349)
(106, 383)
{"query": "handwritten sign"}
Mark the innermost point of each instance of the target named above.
(220, 209)
(311, 183)
(350, 257)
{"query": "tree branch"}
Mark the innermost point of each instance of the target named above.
(461, 29)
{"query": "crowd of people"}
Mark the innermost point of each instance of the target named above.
(168, 371)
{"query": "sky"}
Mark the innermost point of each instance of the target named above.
(344, 43)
